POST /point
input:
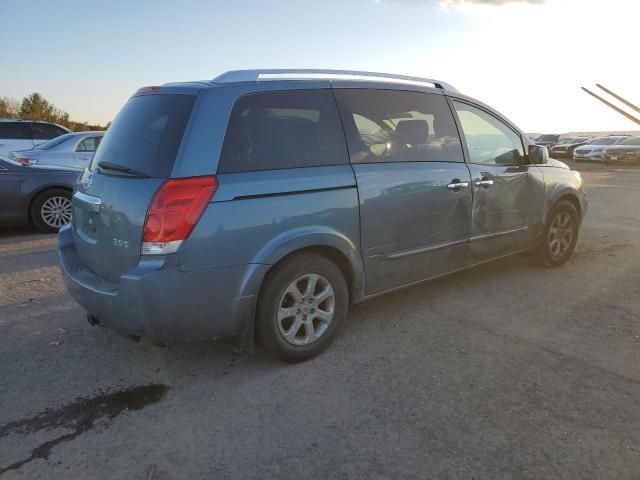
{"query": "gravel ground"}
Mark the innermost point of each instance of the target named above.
(502, 372)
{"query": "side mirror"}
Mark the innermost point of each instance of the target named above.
(538, 155)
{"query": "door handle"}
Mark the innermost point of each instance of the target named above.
(483, 183)
(456, 185)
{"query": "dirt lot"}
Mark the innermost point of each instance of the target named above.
(505, 371)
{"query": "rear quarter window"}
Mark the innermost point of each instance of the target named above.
(89, 144)
(146, 134)
(283, 129)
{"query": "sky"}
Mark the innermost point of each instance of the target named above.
(527, 58)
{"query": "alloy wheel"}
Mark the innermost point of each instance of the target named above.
(56, 211)
(306, 309)
(560, 234)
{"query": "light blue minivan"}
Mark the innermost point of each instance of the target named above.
(262, 203)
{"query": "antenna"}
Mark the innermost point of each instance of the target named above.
(618, 97)
(615, 107)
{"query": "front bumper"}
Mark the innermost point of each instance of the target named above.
(589, 156)
(159, 301)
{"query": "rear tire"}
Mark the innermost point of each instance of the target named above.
(51, 209)
(301, 307)
(560, 235)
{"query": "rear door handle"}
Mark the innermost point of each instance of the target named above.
(483, 183)
(457, 185)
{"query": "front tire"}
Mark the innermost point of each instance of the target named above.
(560, 235)
(301, 307)
(51, 209)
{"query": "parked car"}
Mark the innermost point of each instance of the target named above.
(548, 140)
(626, 151)
(40, 195)
(26, 134)
(594, 149)
(566, 147)
(273, 200)
(72, 150)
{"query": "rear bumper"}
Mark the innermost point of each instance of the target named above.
(159, 301)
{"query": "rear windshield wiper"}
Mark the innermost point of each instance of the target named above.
(122, 169)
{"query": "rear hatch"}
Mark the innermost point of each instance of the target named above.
(133, 160)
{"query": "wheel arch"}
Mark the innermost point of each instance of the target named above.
(573, 199)
(567, 193)
(324, 241)
(321, 240)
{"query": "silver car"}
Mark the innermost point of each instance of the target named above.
(16, 134)
(594, 149)
(73, 150)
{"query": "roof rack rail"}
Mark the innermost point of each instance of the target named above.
(234, 76)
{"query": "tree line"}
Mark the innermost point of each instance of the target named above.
(36, 107)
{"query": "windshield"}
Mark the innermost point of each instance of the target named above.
(631, 141)
(54, 142)
(604, 141)
(548, 138)
(146, 134)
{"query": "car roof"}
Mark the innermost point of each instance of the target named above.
(21, 120)
(87, 132)
(595, 139)
(301, 74)
(300, 77)
(5, 119)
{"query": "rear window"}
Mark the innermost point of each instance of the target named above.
(146, 134)
(55, 142)
(605, 141)
(15, 131)
(631, 141)
(548, 138)
(283, 129)
(45, 131)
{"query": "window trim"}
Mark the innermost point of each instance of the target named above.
(465, 146)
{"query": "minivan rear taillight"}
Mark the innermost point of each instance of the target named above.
(175, 209)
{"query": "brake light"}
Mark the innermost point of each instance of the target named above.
(23, 161)
(175, 209)
(148, 89)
